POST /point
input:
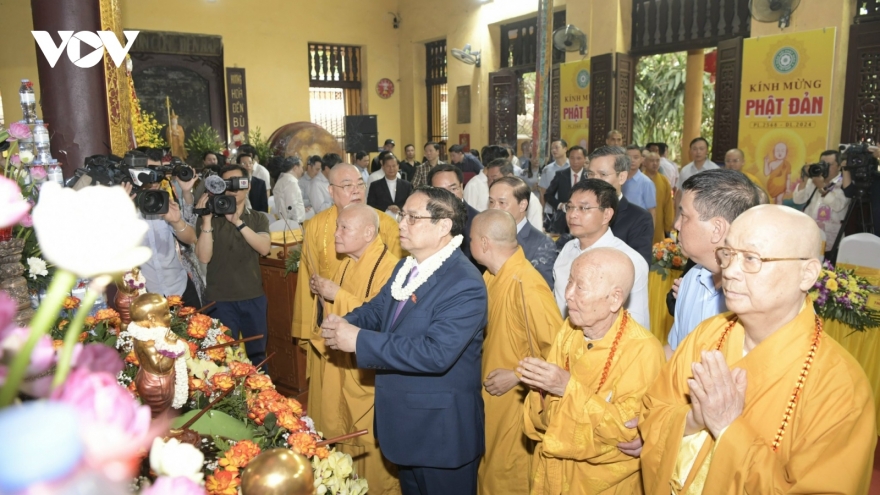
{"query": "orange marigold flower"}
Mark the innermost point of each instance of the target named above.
(174, 301)
(132, 387)
(193, 349)
(195, 385)
(217, 355)
(238, 369)
(185, 311)
(302, 443)
(239, 455)
(62, 324)
(71, 302)
(83, 336)
(132, 358)
(223, 483)
(107, 315)
(322, 452)
(659, 255)
(259, 382)
(223, 381)
(90, 321)
(676, 261)
(225, 329)
(224, 338)
(289, 421)
(295, 406)
(198, 326)
(57, 344)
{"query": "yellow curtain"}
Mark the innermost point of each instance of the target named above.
(661, 320)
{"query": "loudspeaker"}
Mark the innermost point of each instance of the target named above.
(361, 133)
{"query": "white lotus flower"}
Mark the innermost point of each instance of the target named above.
(93, 231)
(36, 267)
(174, 459)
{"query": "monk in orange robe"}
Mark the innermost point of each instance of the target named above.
(348, 393)
(523, 320)
(319, 257)
(592, 383)
(664, 214)
(760, 400)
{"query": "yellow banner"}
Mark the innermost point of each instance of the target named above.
(785, 106)
(574, 102)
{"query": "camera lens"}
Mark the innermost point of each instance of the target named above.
(153, 202)
(184, 173)
(224, 205)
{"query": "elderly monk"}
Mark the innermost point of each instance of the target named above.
(319, 257)
(516, 329)
(760, 400)
(598, 368)
(347, 393)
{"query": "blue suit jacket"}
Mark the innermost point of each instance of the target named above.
(539, 250)
(633, 225)
(429, 411)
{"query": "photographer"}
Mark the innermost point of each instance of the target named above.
(872, 192)
(821, 191)
(234, 280)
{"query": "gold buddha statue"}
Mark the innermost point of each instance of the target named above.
(162, 380)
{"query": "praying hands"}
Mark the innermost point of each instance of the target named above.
(717, 394)
(540, 374)
(339, 334)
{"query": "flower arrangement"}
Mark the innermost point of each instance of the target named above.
(146, 129)
(260, 144)
(203, 138)
(667, 256)
(841, 295)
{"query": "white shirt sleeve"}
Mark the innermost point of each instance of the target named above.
(293, 199)
(476, 194)
(534, 214)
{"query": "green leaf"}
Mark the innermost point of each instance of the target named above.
(269, 421)
(216, 423)
(221, 444)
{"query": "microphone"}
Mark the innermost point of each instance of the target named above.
(215, 184)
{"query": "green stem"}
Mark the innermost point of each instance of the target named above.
(70, 338)
(46, 315)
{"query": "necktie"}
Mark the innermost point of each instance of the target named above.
(412, 275)
(576, 177)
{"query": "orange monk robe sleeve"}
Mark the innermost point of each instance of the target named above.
(542, 313)
(668, 219)
(832, 451)
(390, 234)
(304, 308)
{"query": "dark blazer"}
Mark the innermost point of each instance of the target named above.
(379, 196)
(559, 192)
(429, 411)
(633, 225)
(539, 250)
(258, 196)
(466, 233)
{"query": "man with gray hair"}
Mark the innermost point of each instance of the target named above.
(632, 224)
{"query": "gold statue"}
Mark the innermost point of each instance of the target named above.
(162, 380)
(174, 134)
(278, 472)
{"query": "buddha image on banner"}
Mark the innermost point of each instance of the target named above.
(574, 98)
(785, 106)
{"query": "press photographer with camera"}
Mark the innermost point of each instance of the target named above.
(258, 195)
(862, 179)
(820, 191)
(241, 236)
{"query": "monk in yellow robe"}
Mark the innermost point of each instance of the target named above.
(664, 214)
(599, 367)
(759, 399)
(523, 320)
(735, 159)
(778, 172)
(319, 257)
(347, 393)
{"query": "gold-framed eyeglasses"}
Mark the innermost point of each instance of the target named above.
(751, 262)
(568, 207)
(348, 188)
(410, 218)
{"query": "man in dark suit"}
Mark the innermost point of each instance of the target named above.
(632, 224)
(390, 193)
(559, 191)
(449, 177)
(258, 194)
(468, 163)
(423, 333)
(512, 194)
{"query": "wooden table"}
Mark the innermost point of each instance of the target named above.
(288, 367)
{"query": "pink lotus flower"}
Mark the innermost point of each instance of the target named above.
(97, 358)
(17, 130)
(27, 221)
(38, 173)
(15, 159)
(178, 486)
(12, 206)
(115, 428)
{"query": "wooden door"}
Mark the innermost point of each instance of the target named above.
(728, 80)
(503, 92)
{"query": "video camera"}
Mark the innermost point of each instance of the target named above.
(221, 204)
(819, 169)
(178, 169)
(111, 170)
(863, 167)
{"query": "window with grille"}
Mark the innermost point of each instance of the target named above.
(438, 94)
(334, 86)
(519, 43)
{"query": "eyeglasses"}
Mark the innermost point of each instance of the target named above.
(410, 218)
(348, 188)
(751, 262)
(594, 175)
(568, 207)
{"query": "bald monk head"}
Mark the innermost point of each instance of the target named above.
(598, 285)
(768, 294)
(346, 185)
(356, 227)
(493, 239)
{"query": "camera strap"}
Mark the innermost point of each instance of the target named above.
(804, 208)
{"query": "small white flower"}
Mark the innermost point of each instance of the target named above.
(174, 459)
(26, 156)
(93, 231)
(36, 266)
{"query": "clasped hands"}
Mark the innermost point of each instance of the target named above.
(323, 287)
(339, 334)
(541, 375)
(717, 394)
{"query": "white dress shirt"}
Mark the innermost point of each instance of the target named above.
(392, 187)
(319, 193)
(534, 213)
(476, 192)
(690, 169)
(670, 170)
(636, 304)
(262, 173)
(288, 198)
(163, 272)
(547, 176)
